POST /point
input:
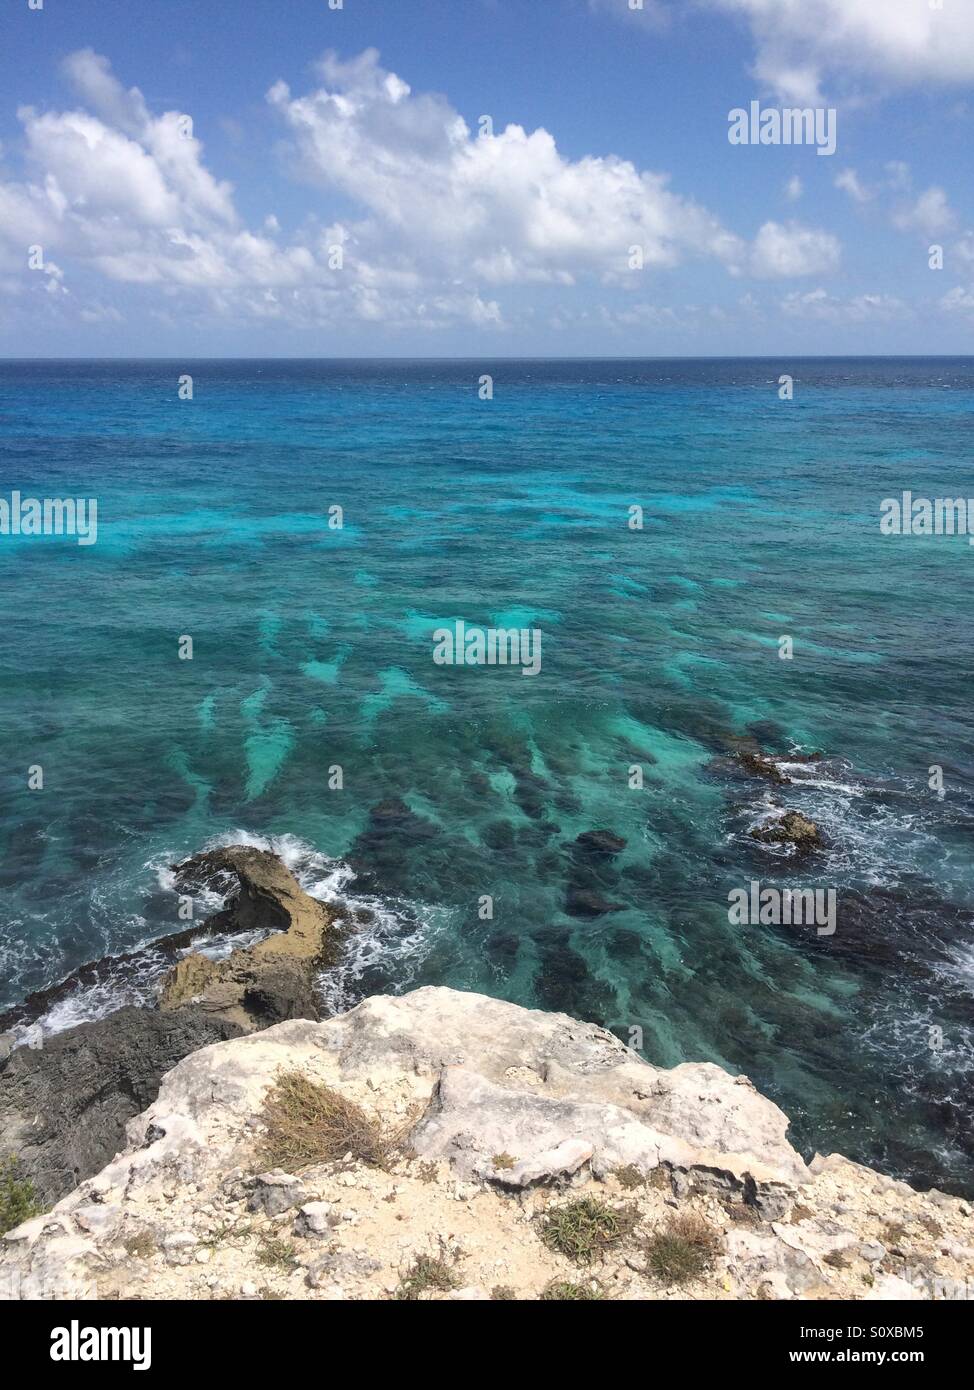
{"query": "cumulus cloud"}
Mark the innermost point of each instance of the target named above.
(802, 43)
(503, 207)
(447, 218)
(785, 250)
(931, 214)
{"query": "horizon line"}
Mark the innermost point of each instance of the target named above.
(534, 357)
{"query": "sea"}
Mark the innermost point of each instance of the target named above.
(245, 654)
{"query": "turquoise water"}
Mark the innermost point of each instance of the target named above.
(312, 649)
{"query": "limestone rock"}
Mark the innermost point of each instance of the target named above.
(275, 1193)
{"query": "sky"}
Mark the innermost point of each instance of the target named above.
(483, 178)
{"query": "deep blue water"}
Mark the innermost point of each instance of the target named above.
(313, 649)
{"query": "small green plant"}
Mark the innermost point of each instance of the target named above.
(274, 1253)
(503, 1293)
(561, 1291)
(683, 1250)
(426, 1274)
(503, 1161)
(629, 1177)
(308, 1123)
(18, 1198)
(582, 1230)
(140, 1246)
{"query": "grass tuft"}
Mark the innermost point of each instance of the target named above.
(426, 1274)
(274, 1253)
(684, 1250)
(561, 1291)
(309, 1123)
(582, 1230)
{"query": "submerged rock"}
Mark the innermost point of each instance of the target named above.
(601, 842)
(584, 902)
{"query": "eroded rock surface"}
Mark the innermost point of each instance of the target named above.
(500, 1115)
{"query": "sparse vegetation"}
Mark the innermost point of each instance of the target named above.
(309, 1123)
(503, 1293)
(630, 1177)
(683, 1250)
(18, 1199)
(502, 1161)
(561, 1291)
(582, 1230)
(894, 1233)
(742, 1214)
(274, 1253)
(141, 1245)
(426, 1274)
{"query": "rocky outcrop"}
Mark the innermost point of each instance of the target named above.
(762, 765)
(791, 828)
(63, 1108)
(498, 1119)
(273, 979)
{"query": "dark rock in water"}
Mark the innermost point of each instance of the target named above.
(64, 1107)
(389, 811)
(565, 984)
(601, 842)
(498, 835)
(393, 840)
(793, 828)
(583, 902)
(759, 765)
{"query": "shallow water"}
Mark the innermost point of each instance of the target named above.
(313, 649)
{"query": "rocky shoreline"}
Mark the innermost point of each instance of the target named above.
(438, 1145)
(64, 1107)
(443, 1145)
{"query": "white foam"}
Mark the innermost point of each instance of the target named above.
(396, 939)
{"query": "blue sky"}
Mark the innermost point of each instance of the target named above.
(258, 178)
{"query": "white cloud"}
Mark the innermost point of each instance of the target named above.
(447, 218)
(848, 180)
(802, 43)
(794, 189)
(864, 308)
(505, 207)
(931, 214)
(781, 251)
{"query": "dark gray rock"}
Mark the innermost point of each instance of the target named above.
(601, 842)
(64, 1107)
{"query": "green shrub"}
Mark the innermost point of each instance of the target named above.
(18, 1199)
